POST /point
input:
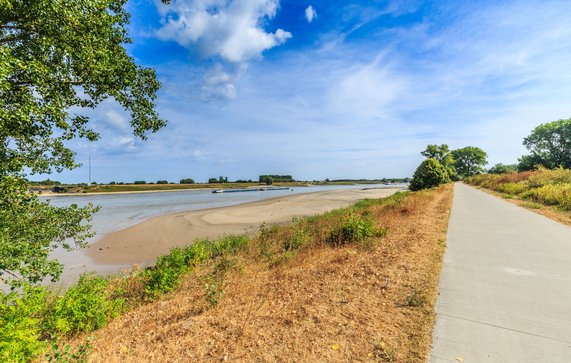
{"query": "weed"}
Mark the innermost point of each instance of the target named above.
(298, 236)
(383, 352)
(64, 353)
(213, 292)
(415, 299)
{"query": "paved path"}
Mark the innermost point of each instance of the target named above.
(505, 291)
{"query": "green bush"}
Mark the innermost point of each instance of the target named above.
(353, 228)
(86, 306)
(165, 275)
(429, 174)
(20, 324)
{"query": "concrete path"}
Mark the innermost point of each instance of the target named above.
(505, 291)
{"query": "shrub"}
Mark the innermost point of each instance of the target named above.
(86, 306)
(353, 228)
(165, 275)
(298, 236)
(429, 174)
(20, 324)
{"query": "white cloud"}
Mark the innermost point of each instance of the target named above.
(232, 30)
(218, 84)
(310, 14)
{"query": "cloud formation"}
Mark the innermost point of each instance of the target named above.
(310, 14)
(232, 30)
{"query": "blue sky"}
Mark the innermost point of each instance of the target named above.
(334, 89)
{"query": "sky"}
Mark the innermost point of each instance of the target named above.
(333, 89)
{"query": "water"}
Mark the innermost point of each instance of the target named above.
(119, 211)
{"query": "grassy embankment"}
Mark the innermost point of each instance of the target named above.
(358, 283)
(547, 192)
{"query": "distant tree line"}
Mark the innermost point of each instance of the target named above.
(275, 178)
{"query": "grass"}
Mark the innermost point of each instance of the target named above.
(547, 192)
(358, 283)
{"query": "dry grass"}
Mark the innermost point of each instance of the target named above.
(360, 302)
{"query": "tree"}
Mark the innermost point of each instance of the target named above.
(57, 58)
(162, 182)
(550, 144)
(212, 181)
(443, 155)
(430, 173)
(187, 181)
(469, 160)
(503, 168)
(529, 162)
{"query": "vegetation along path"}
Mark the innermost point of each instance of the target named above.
(505, 291)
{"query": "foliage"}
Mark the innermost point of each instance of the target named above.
(212, 181)
(65, 354)
(443, 155)
(162, 182)
(469, 160)
(20, 324)
(298, 236)
(353, 228)
(139, 182)
(213, 292)
(86, 306)
(30, 229)
(165, 275)
(550, 144)
(503, 168)
(58, 59)
(275, 178)
(187, 181)
(430, 173)
(529, 162)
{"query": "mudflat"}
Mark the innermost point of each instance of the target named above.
(144, 242)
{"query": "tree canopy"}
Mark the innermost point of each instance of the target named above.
(430, 173)
(58, 58)
(469, 160)
(550, 146)
(443, 155)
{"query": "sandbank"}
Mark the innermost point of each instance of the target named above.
(144, 242)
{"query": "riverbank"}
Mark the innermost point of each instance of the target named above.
(144, 242)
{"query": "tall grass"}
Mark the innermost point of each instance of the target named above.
(547, 187)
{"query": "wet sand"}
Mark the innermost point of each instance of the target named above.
(144, 242)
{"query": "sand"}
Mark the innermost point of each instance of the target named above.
(144, 242)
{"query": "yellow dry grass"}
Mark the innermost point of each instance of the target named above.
(325, 304)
